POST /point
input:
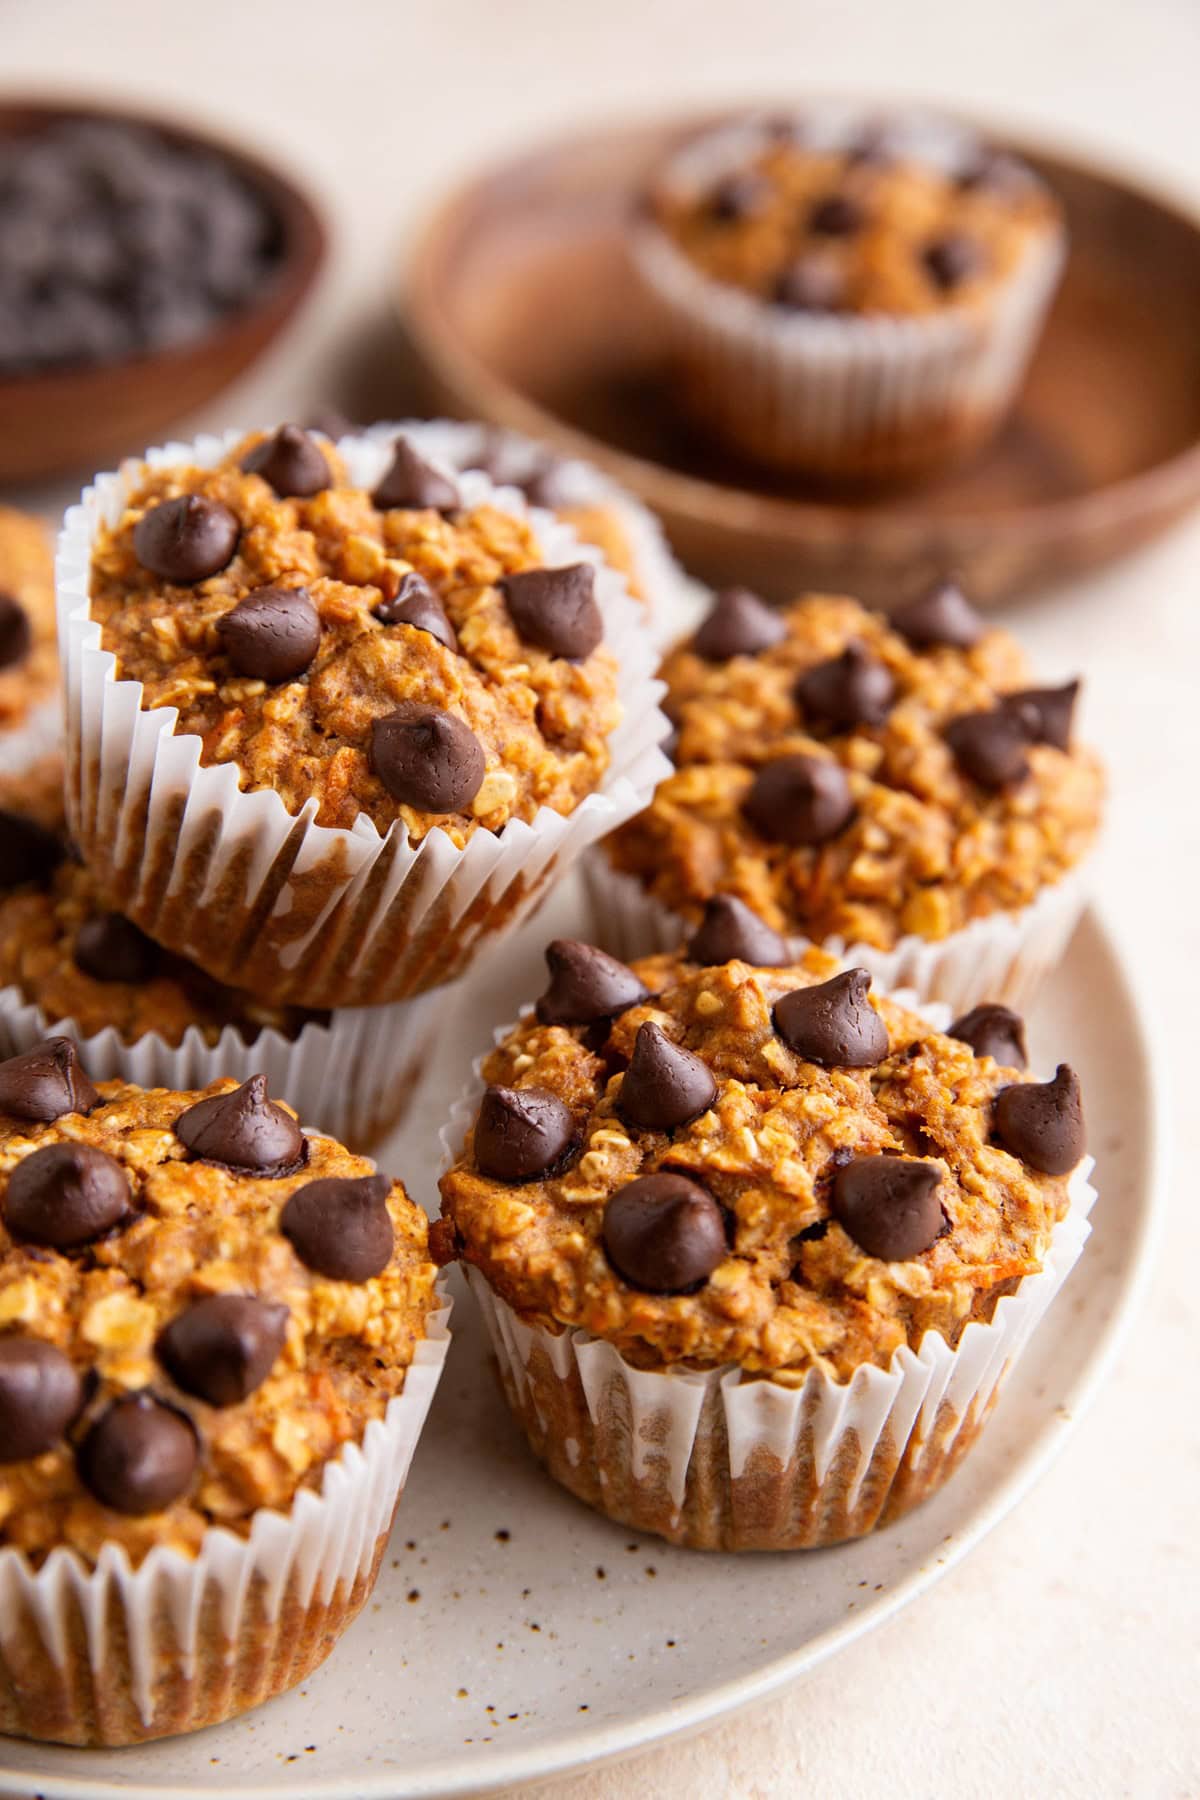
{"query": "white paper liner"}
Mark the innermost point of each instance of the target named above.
(1005, 956)
(326, 1543)
(353, 1078)
(271, 902)
(833, 393)
(687, 1438)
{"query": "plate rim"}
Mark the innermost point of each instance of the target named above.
(461, 1776)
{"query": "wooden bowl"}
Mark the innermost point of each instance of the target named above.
(519, 308)
(86, 418)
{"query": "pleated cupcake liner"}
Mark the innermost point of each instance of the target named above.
(269, 901)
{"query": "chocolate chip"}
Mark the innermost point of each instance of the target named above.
(272, 635)
(291, 463)
(243, 1131)
(413, 483)
(427, 758)
(889, 1205)
(664, 1233)
(586, 985)
(810, 284)
(556, 609)
(46, 1082)
(952, 259)
(40, 1393)
(836, 215)
(799, 800)
(731, 932)
(993, 1030)
(139, 1456)
(833, 1023)
(738, 624)
(415, 603)
(874, 146)
(665, 1085)
(331, 422)
(738, 196)
(186, 539)
(223, 1347)
(545, 484)
(16, 633)
(1048, 710)
(27, 851)
(341, 1227)
(943, 615)
(1042, 1122)
(854, 688)
(990, 747)
(65, 1196)
(521, 1133)
(110, 947)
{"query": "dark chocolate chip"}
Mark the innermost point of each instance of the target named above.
(16, 633)
(739, 624)
(991, 747)
(1049, 710)
(833, 1023)
(664, 1233)
(46, 1082)
(521, 1133)
(139, 1456)
(556, 609)
(110, 947)
(1042, 1122)
(952, 259)
(414, 484)
(415, 603)
(427, 758)
(836, 215)
(223, 1347)
(854, 688)
(665, 1085)
(272, 635)
(28, 852)
(292, 464)
(738, 196)
(943, 615)
(65, 1196)
(889, 1205)
(586, 985)
(186, 539)
(341, 1227)
(243, 1131)
(873, 147)
(799, 800)
(731, 932)
(810, 284)
(40, 1393)
(993, 1030)
(545, 484)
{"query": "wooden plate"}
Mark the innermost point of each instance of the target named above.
(86, 418)
(519, 309)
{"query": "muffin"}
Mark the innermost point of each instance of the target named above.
(219, 1337)
(756, 1245)
(72, 965)
(897, 791)
(28, 659)
(335, 716)
(844, 297)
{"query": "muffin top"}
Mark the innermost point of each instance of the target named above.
(74, 957)
(854, 777)
(199, 1305)
(389, 654)
(708, 1162)
(864, 224)
(28, 658)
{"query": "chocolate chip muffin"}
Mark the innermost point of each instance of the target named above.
(899, 786)
(736, 1203)
(28, 661)
(201, 1309)
(381, 689)
(848, 295)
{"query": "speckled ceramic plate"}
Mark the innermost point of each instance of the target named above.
(513, 1634)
